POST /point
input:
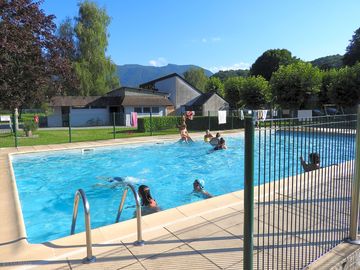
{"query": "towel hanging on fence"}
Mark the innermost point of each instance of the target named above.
(133, 119)
(264, 114)
(222, 117)
(242, 115)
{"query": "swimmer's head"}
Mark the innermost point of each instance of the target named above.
(198, 185)
(218, 135)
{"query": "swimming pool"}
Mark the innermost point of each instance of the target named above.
(47, 181)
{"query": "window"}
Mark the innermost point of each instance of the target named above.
(138, 109)
(155, 109)
(146, 109)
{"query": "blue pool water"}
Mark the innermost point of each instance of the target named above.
(47, 181)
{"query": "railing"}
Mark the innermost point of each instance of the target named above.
(140, 241)
(80, 193)
(301, 210)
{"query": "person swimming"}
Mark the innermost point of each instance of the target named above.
(215, 140)
(148, 204)
(113, 181)
(314, 162)
(221, 145)
(208, 136)
(184, 134)
(198, 188)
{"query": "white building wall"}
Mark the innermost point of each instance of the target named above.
(128, 110)
(55, 119)
(168, 86)
(181, 93)
(88, 117)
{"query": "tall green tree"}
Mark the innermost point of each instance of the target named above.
(352, 54)
(270, 61)
(344, 88)
(292, 85)
(32, 65)
(232, 90)
(96, 71)
(254, 92)
(196, 77)
(214, 84)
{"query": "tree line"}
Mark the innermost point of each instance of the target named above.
(39, 60)
(277, 78)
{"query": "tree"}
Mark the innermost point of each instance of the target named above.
(292, 85)
(214, 84)
(196, 77)
(66, 32)
(344, 88)
(225, 74)
(96, 72)
(328, 78)
(254, 92)
(232, 90)
(270, 61)
(32, 66)
(352, 54)
(328, 62)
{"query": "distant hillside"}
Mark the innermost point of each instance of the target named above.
(224, 74)
(133, 75)
(327, 62)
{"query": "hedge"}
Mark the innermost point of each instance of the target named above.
(158, 123)
(199, 123)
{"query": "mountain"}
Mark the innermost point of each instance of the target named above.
(133, 75)
(327, 62)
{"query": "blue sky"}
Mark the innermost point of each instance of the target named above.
(220, 34)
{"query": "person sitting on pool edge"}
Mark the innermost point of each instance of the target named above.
(208, 136)
(199, 189)
(221, 145)
(314, 162)
(148, 204)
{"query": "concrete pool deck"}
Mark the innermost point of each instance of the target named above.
(202, 235)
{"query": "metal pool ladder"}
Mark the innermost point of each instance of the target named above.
(140, 241)
(80, 193)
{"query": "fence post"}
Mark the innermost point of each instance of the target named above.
(70, 139)
(151, 129)
(355, 188)
(249, 193)
(15, 130)
(114, 131)
(232, 119)
(209, 120)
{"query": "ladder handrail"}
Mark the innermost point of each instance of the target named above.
(140, 241)
(80, 193)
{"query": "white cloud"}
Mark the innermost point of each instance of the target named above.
(203, 40)
(215, 39)
(240, 65)
(161, 61)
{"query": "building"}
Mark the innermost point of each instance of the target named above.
(99, 110)
(185, 96)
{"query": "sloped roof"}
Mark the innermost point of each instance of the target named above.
(138, 100)
(144, 85)
(201, 100)
(146, 101)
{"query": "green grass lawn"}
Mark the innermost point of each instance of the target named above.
(41, 137)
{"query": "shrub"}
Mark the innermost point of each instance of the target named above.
(199, 123)
(158, 123)
(29, 127)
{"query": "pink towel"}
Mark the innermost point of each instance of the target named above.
(134, 119)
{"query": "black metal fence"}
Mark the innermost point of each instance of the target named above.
(302, 189)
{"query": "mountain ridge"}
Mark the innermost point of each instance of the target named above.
(133, 75)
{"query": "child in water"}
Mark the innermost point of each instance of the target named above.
(199, 189)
